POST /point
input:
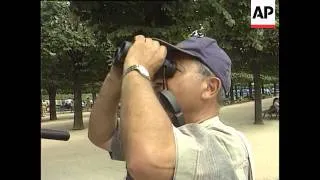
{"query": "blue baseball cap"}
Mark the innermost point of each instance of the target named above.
(208, 52)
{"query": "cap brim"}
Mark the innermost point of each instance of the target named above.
(171, 47)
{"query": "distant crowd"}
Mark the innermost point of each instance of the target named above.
(66, 105)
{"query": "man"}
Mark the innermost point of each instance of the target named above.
(88, 104)
(203, 148)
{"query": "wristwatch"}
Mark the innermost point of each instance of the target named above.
(141, 69)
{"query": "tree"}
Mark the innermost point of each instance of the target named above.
(51, 72)
(74, 45)
(120, 21)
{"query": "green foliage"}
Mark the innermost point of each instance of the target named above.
(69, 47)
(122, 20)
(269, 79)
(244, 78)
(241, 77)
(228, 21)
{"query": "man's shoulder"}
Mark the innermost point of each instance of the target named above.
(214, 131)
(216, 145)
(211, 126)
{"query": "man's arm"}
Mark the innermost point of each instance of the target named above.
(102, 120)
(146, 131)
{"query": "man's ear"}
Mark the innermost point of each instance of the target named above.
(211, 87)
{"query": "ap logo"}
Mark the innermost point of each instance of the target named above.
(263, 14)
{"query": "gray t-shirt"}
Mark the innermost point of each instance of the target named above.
(209, 150)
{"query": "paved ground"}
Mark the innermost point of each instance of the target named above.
(79, 159)
(63, 116)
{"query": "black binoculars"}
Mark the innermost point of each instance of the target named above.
(167, 70)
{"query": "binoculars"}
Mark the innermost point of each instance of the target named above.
(167, 70)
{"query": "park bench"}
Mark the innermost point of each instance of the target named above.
(271, 111)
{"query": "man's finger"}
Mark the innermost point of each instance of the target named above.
(149, 41)
(162, 52)
(139, 38)
(156, 44)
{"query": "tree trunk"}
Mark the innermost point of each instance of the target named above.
(250, 91)
(231, 93)
(241, 91)
(41, 109)
(274, 89)
(236, 90)
(257, 94)
(52, 91)
(78, 119)
(94, 96)
(262, 88)
(227, 95)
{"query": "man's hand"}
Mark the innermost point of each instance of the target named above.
(146, 52)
